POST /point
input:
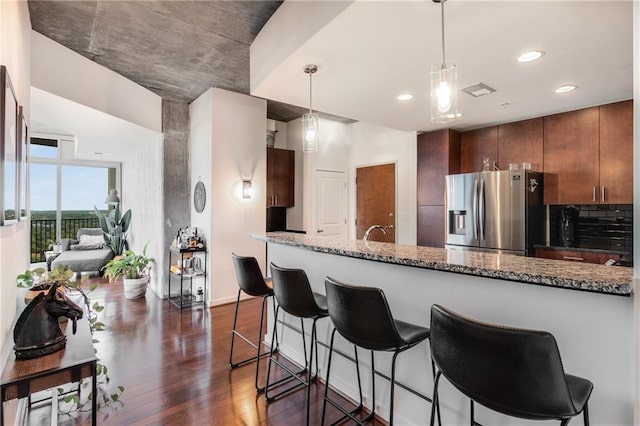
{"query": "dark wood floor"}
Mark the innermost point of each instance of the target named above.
(174, 367)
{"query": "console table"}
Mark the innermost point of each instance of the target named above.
(21, 378)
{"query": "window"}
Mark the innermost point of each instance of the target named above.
(63, 193)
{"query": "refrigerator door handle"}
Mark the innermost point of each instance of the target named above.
(481, 209)
(475, 209)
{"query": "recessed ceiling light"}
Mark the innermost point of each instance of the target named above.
(405, 97)
(453, 116)
(529, 56)
(566, 88)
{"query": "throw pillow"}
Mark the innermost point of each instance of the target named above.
(87, 246)
(91, 239)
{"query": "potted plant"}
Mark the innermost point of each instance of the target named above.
(133, 269)
(114, 228)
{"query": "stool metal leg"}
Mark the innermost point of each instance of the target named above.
(435, 402)
(586, 414)
(473, 422)
(346, 414)
(292, 374)
(393, 386)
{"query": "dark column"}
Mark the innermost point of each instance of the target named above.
(177, 171)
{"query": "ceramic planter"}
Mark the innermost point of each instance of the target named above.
(135, 288)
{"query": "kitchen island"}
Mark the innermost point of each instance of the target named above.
(593, 327)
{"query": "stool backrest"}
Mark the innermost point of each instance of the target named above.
(514, 371)
(362, 315)
(293, 292)
(249, 275)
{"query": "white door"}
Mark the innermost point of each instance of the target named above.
(330, 203)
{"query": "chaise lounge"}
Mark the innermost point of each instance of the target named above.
(88, 253)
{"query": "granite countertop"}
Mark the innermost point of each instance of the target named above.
(585, 249)
(555, 273)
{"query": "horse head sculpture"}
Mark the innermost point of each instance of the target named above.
(37, 331)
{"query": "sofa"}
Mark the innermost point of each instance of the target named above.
(88, 253)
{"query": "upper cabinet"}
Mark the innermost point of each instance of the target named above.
(588, 156)
(438, 156)
(477, 144)
(521, 142)
(616, 153)
(280, 177)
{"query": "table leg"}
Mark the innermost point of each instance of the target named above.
(2, 407)
(94, 399)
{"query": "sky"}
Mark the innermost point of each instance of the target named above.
(82, 187)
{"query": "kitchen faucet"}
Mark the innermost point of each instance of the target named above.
(371, 228)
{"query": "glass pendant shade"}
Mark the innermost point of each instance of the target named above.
(310, 132)
(444, 93)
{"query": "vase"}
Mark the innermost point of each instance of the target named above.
(135, 288)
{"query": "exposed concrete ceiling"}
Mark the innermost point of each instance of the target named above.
(177, 49)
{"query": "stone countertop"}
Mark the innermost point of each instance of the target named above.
(585, 249)
(615, 280)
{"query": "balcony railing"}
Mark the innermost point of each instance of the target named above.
(43, 233)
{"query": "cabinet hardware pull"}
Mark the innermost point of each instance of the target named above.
(276, 200)
(594, 194)
(320, 230)
(602, 193)
(580, 259)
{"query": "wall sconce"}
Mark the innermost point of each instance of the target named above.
(113, 198)
(247, 189)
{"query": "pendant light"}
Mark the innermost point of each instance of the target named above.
(310, 120)
(444, 90)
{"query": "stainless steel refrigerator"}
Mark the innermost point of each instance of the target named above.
(495, 211)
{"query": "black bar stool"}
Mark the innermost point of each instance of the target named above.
(362, 316)
(513, 371)
(251, 281)
(294, 296)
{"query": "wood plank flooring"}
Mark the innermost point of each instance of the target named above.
(175, 368)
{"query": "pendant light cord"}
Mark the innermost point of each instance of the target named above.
(310, 93)
(442, 20)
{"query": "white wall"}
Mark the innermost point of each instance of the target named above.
(372, 145)
(63, 72)
(227, 146)
(15, 47)
(141, 173)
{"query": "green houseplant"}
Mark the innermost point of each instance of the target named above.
(114, 228)
(133, 269)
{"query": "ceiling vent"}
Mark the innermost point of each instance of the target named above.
(477, 90)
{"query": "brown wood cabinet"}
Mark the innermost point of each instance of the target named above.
(280, 177)
(576, 256)
(588, 155)
(616, 153)
(438, 156)
(431, 226)
(571, 157)
(475, 145)
(521, 142)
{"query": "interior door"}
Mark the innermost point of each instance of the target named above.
(376, 201)
(330, 203)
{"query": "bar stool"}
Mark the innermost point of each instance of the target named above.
(251, 281)
(362, 316)
(294, 296)
(513, 371)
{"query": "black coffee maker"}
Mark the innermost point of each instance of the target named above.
(569, 226)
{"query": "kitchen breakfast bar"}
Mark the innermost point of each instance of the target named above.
(588, 308)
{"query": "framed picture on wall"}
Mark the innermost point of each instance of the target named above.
(23, 164)
(8, 149)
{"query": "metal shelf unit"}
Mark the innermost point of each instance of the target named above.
(185, 297)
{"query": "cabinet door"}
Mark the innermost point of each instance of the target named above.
(616, 153)
(576, 256)
(438, 156)
(521, 142)
(431, 226)
(571, 157)
(280, 177)
(477, 144)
